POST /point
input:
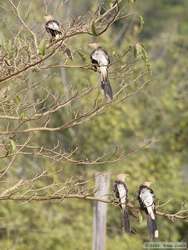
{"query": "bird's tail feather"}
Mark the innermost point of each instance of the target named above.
(104, 73)
(105, 85)
(152, 227)
(151, 212)
(126, 221)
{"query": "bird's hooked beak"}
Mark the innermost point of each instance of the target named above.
(121, 177)
(147, 183)
(48, 18)
(94, 45)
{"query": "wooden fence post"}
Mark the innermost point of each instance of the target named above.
(102, 181)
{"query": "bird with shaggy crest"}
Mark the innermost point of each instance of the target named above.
(100, 60)
(146, 199)
(121, 193)
(53, 27)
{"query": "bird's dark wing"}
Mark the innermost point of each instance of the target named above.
(116, 190)
(93, 61)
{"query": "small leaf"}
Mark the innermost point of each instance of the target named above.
(141, 22)
(42, 48)
(137, 50)
(93, 29)
(82, 55)
(145, 58)
(23, 115)
(13, 145)
(18, 100)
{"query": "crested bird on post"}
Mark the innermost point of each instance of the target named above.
(121, 193)
(147, 203)
(53, 27)
(100, 60)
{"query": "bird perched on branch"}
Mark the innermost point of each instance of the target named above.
(100, 60)
(147, 203)
(53, 27)
(121, 193)
(55, 30)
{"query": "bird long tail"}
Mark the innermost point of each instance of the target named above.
(126, 221)
(152, 227)
(105, 85)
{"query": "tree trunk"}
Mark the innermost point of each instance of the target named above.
(100, 211)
